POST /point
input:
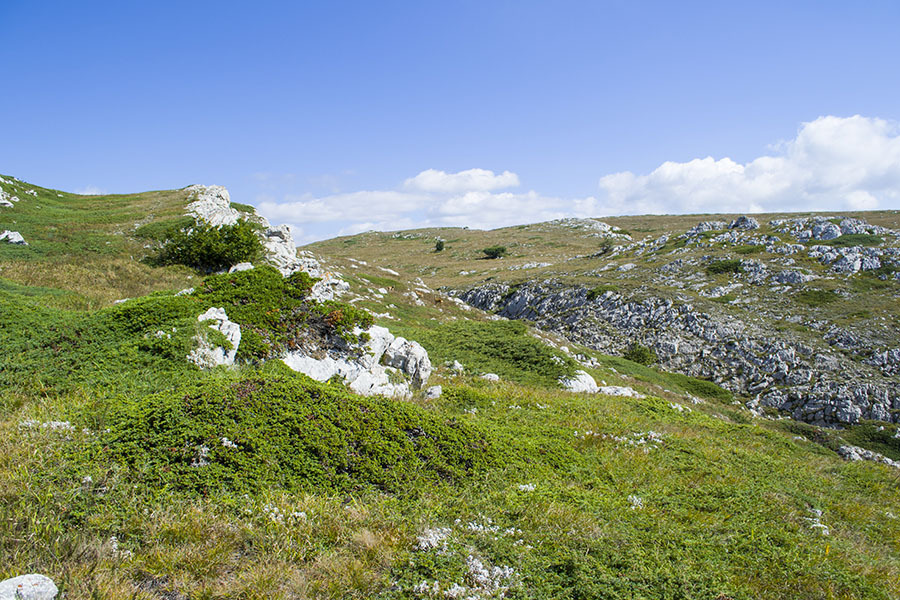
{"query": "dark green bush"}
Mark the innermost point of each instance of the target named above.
(640, 354)
(439, 246)
(494, 251)
(209, 248)
(598, 291)
(853, 239)
(291, 432)
(724, 266)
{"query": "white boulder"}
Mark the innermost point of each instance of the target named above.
(207, 356)
(28, 587)
(13, 237)
(490, 377)
(383, 368)
(434, 392)
(580, 382)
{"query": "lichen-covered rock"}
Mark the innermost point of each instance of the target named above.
(617, 390)
(28, 587)
(208, 356)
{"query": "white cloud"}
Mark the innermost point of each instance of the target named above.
(91, 190)
(833, 163)
(433, 180)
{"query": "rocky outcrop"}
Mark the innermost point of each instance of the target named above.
(212, 204)
(13, 237)
(28, 587)
(6, 199)
(816, 385)
(854, 453)
(208, 355)
(385, 365)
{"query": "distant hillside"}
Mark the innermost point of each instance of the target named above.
(594, 415)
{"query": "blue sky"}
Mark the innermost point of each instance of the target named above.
(342, 116)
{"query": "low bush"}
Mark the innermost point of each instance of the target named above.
(209, 249)
(724, 266)
(494, 251)
(241, 434)
(640, 354)
(853, 239)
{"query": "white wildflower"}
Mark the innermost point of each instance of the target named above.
(526, 487)
(636, 502)
(433, 538)
(228, 443)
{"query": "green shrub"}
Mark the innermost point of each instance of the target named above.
(598, 291)
(494, 251)
(749, 249)
(724, 266)
(439, 246)
(242, 434)
(700, 387)
(209, 248)
(640, 354)
(852, 239)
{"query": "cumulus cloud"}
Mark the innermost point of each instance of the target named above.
(433, 180)
(91, 190)
(833, 163)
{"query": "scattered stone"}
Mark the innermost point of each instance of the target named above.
(854, 453)
(615, 390)
(490, 377)
(434, 392)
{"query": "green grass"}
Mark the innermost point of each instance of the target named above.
(501, 347)
(816, 298)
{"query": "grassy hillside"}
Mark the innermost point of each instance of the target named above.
(126, 472)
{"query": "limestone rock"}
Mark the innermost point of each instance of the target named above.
(490, 377)
(28, 587)
(207, 356)
(384, 367)
(434, 392)
(212, 204)
(580, 382)
(615, 390)
(744, 222)
(244, 266)
(13, 237)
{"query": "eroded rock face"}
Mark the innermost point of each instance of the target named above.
(387, 366)
(212, 204)
(28, 587)
(815, 385)
(209, 356)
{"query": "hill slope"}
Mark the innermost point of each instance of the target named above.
(128, 471)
